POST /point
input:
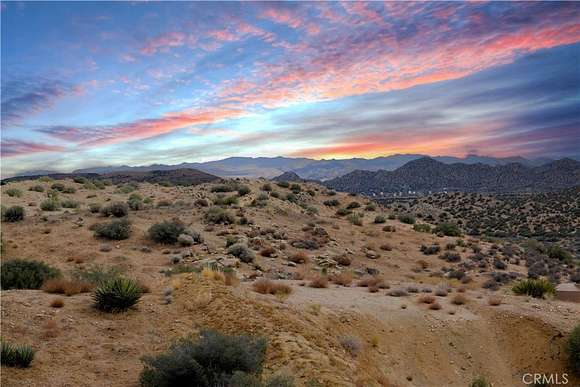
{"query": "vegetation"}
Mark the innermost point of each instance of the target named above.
(214, 359)
(217, 215)
(242, 252)
(26, 274)
(13, 214)
(166, 232)
(69, 203)
(448, 229)
(16, 355)
(50, 204)
(36, 188)
(115, 230)
(117, 209)
(379, 219)
(117, 295)
(573, 348)
(408, 219)
(536, 288)
(480, 381)
(422, 227)
(14, 192)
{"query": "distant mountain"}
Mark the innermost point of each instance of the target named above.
(39, 172)
(309, 169)
(288, 176)
(427, 174)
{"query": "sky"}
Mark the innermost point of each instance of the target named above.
(134, 83)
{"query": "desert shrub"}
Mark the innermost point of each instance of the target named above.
(36, 188)
(210, 361)
(558, 252)
(435, 306)
(536, 288)
(430, 250)
(266, 286)
(202, 202)
(458, 299)
(68, 287)
(226, 201)
(216, 215)
(480, 381)
(450, 257)
(422, 227)
(294, 187)
(96, 275)
(267, 251)
(343, 212)
(57, 303)
(242, 252)
(343, 260)
(115, 230)
(292, 198)
(94, 208)
(573, 349)
(267, 187)
(408, 219)
(427, 299)
(229, 187)
(494, 300)
(166, 232)
(380, 219)
(58, 186)
(299, 257)
(331, 203)
(343, 278)
(352, 205)
(371, 207)
(448, 229)
(319, 282)
(13, 214)
(135, 202)
(356, 219)
(117, 295)
(69, 190)
(116, 209)
(69, 203)
(16, 355)
(26, 274)
(164, 203)
(389, 228)
(50, 204)
(371, 281)
(351, 344)
(398, 293)
(14, 192)
(283, 184)
(80, 179)
(127, 188)
(243, 190)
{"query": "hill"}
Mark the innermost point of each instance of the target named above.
(428, 175)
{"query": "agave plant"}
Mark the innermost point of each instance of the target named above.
(17, 355)
(117, 295)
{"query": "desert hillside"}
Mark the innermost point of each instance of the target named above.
(346, 292)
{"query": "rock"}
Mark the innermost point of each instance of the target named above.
(371, 254)
(185, 240)
(105, 248)
(145, 249)
(175, 259)
(373, 271)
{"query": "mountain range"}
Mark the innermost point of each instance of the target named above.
(427, 174)
(305, 168)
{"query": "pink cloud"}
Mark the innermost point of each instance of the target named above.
(164, 42)
(12, 148)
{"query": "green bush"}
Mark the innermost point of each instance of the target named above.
(408, 219)
(127, 188)
(116, 209)
(331, 203)
(422, 227)
(13, 214)
(267, 187)
(480, 381)
(69, 203)
(117, 295)
(356, 219)
(352, 205)
(243, 190)
(448, 229)
(283, 184)
(242, 252)
(14, 192)
(343, 212)
(16, 355)
(135, 202)
(97, 275)
(536, 288)
(26, 274)
(295, 188)
(380, 219)
(210, 361)
(69, 190)
(292, 198)
(166, 232)
(224, 188)
(226, 201)
(36, 188)
(573, 348)
(558, 252)
(80, 179)
(115, 230)
(216, 215)
(58, 186)
(50, 205)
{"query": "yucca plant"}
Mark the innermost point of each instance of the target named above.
(117, 295)
(536, 288)
(17, 355)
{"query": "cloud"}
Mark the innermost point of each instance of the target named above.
(12, 148)
(165, 41)
(23, 98)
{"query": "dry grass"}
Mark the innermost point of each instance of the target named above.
(435, 306)
(299, 257)
(66, 287)
(57, 302)
(319, 282)
(50, 330)
(371, 281)
(266, 286)
(458, 299)
(494, 300)
(343, 279)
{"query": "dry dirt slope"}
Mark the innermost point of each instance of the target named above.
(403, 347)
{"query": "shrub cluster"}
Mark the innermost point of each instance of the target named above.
(13, 214)
(422, 227)
(116, 209)
(214, 359)
(216, 215)
(242, 252)
(26, 274)
(166, 232)
(16, 355)
(14, 192)
(448, 229)
(50, 204)
(115, 230)
(536, 288)
(408, 219)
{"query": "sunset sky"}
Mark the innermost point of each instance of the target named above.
(89, 84)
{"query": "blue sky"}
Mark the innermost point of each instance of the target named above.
(109, 83)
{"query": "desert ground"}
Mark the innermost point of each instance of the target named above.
(338, 335)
